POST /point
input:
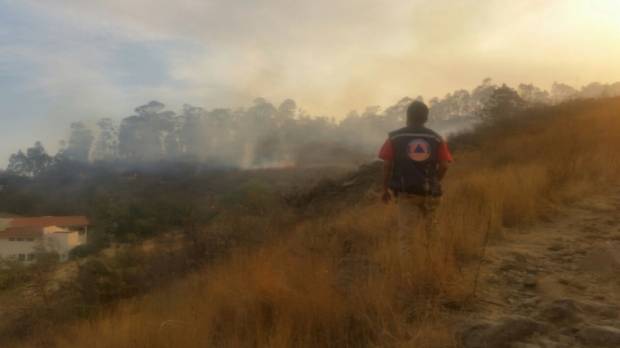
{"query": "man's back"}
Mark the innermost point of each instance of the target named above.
(415, 153)
(415, 161)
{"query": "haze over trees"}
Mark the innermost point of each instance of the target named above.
(30, 163)
(266, 134)
(186, 234)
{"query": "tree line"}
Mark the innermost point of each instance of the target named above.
(265, 134)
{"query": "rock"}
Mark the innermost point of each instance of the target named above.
(530, 282)
(566, 340)
(567, 282)
(502, 334)
(568, 331)
(609, 312)
(567, 259)
(548, 343)
(532, 270)
(561, 311)
(526, 345)
(508, 266)
(594, 230)
(605, 311)
(516, 262)
(556, 247)
(605, 336)
(519, 258)
(604, 259)
(493, 279)
(563, 281)
(531, 302)
(475, 335)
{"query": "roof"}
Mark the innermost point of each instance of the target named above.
(45, 221)
(32, 227)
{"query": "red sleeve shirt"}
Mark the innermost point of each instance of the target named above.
(387, 152)
(444, 154)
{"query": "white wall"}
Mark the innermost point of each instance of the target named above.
(10, 248)
(54, 239)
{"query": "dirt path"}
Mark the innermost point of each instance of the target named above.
(555, 285)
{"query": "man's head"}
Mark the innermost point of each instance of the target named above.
(417, 114)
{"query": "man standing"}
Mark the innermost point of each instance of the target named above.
(415, 161)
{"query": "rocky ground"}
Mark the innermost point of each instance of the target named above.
(555, 285)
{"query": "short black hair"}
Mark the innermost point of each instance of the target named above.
(417, 113)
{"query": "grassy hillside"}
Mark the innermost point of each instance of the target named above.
(332, 280)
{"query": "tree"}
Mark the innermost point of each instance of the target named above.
(80, 143)
(561, 92)
(34, 162)
(533, 94)
(253, 124)
(192, 132)
(286, 111)
(172, 143)
(594, 90)
(481, 94)
(504, 103)
(106, 146)
(395, 114)
(455, 104)
(19, 164)
(39, 158)
(141, 136)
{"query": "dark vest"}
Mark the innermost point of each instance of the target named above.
(415, 161)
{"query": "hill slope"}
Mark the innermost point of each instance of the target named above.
(333, 280)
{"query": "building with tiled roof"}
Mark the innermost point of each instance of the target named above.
(22, 238)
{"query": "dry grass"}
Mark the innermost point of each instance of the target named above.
(335, 282)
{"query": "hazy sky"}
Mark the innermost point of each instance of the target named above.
(67, 60)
